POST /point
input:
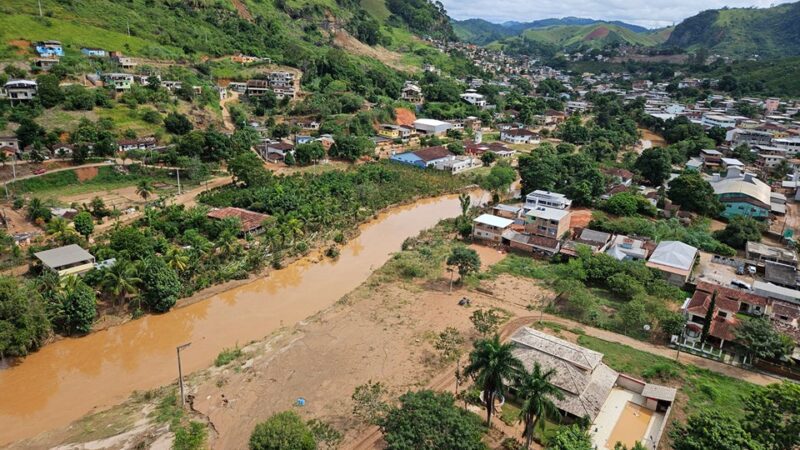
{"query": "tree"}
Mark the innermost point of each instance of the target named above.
(709, 317)
(572, 437)
(37, 212)
(48, 91)
(654, 165)
(144, 189)
(284, 430)
(486, 321)
(84, 224)
(351, 148)
(487, 158)
(177, 123)
(23, 321)
(448, 343)
(739, 231)
(79, 306)
(120, 280)
(466, 259)
(308, 153)
(160, 283)
(176, 259)
(326, 436)
(456, 148)
(715, 429)
(628, 204)
(743, 153)
(762, 340)
(248, 168)
(59, 230)
(491, 364)
(693, 193)
(537, 394)
(369, 402)
(465, 201)
(773, 415)
(499, 179)
(428, 420)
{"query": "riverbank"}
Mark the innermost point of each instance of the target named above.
(75, 376)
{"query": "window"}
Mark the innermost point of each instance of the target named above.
(722, 314)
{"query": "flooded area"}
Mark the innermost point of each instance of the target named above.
(73, 377)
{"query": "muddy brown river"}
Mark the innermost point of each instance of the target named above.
(72, 377)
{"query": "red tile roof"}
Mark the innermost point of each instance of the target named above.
(433, 153)
(250, 219)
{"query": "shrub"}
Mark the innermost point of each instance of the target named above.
(227, 355)
(284, 430)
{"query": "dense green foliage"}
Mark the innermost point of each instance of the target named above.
(428, 420)
(23, 322)
(574, 175)
(492, 365)
(712, 429)
(285, 430)
(762, 340)
(628, 204)
(423, 17)
(693, 193)
(161, 285)
(79, 307)
(572, 437)
(465, 259)
(739, 231)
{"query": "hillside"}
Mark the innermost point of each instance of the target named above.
(572, 37)
(479, 31)
(743, 32)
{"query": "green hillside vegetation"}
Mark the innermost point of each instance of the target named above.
(743, 32)
(779, 78)
(573, 37)
(479, 31)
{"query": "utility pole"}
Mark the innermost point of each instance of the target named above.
(180, 371)
(14, 166)
(178, 171)
(40, 8)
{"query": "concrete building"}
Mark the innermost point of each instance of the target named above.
(547, 199)
(20, 90)
(490, 228)
(431, 127)
(742, 194)
(548, 222)
(675, 260)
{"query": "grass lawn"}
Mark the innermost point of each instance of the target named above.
(702, 388)
(66, 183)
(126, 118)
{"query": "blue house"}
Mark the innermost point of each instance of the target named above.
(94, 52)
(49, 49)
(742, 194)
(300, 139)
(409, 158)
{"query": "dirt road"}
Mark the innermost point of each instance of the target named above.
(233, 97)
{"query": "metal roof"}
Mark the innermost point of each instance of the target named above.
(63, 256)
(499, 222)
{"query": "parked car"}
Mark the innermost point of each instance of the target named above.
(741, 284)
(39, 171)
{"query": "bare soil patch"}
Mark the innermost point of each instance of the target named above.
(404, 116)
(86, 173)
(580, 218)
(346, 41)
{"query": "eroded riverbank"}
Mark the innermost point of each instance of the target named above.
(73, 377)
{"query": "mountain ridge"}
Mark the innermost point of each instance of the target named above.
(481, 32)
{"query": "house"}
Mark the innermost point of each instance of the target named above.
(711, 158)
(20, 90)
(675, 260)
(728, 303)
(624, 248)
(732, 162)
(781, 274)
(790, 144)
(592, 390)
(549, 222)
(257, 88)
(473, 98)
(118, 81)
(45, 63)
(49, 49)
(519, 136)
(553, 117)
(742, 194)
(431, 127)
(62, 150)
(718, 120)
(144, 143)
(302, 139)
(619, 176)
(458, 164)
(94, 52)
(507, 211)
(490, 228)
(391, 131)
(596, 241)
(245, 59)
(237, 87)
(534, 244)
(275, 151)
(252, 223)
(123, 61)
(751, 138)
(67, 260)
(411, 93)
(9, 145)
(761, 253)
(547, 199)
(171, 85)
(431, 156)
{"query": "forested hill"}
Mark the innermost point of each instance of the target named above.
(743, 32)
(288, 31)
(479, 31)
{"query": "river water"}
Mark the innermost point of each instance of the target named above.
(72, 377)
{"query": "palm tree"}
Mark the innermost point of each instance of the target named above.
(294, 228)
(491, 365)
(176, 259)
(144, 189)
(59, 229)
(120, 280)
(466, 202)
(537, 393)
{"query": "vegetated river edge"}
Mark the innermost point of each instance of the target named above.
(72, 377)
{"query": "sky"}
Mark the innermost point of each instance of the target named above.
(647, 13)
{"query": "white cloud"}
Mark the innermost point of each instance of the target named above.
(651, 14)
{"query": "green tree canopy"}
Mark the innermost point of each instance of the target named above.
(84, 223)
(571, 437)
(693, 193)
(428, 420)
(282, 431)
(654, 165)
(739, 231)
(711, 429)
(762, 340)
(161, 285)
(466, 259)
(773, 415)
(23, 321)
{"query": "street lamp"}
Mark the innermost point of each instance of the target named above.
(180, 372)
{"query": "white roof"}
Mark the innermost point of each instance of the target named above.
(747, 185)
(543, 212)
(430, 122)
(494, 221)
(732, 162)
(674, 254)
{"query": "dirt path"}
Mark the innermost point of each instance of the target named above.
(226, 114)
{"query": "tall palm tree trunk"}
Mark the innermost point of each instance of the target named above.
(488, 396)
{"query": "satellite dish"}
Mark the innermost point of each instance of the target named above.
(647, 327)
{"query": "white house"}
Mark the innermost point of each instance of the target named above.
(473, 98)
(519, 136)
